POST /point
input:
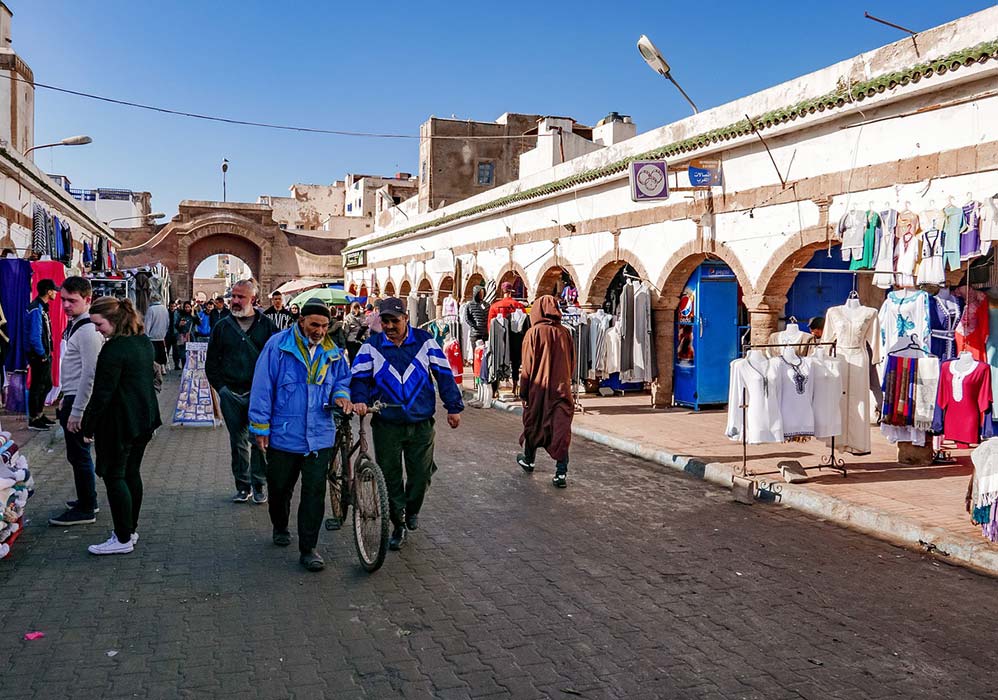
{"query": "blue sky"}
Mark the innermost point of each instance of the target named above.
(388, 66)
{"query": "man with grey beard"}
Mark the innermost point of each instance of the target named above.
(234, 346)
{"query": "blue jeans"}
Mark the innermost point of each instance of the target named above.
(78, 454)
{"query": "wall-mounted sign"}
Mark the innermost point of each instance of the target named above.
(705, 173)
(649, 180)
(356, 258)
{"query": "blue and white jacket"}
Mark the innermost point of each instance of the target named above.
(402, 375)
(292, 394)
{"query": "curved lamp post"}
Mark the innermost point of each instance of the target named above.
(653, 57)
(70, 141)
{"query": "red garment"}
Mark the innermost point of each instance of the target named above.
(972, 331)
(55, 271)
(962, 418)
(476, 364)
(452, 351)
(505, 306)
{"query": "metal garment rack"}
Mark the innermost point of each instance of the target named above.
(829, 461)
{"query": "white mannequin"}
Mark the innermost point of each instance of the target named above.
(965, 362)
(852, 303)
(758, 359)
(907, 206)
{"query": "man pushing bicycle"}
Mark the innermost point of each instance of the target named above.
(397, 367)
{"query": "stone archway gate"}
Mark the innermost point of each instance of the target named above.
(201, 229)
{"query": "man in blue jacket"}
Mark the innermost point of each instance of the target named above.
(398, 367)
(40, 354)
(298, 377)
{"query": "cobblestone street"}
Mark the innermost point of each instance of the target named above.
(631, 583)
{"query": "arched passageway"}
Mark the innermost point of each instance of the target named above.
(475, 280)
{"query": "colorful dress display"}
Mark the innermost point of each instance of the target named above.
(903, 314)
(952, 225)
(972, 331)
(871, 231)
(964, 396)
(945, 312)
(853, 330)
(970, 236)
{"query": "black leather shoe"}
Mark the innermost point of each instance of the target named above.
(312, 561)
(412, 522)
(397, 539)
(282, 539)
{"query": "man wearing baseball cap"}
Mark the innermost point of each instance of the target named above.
(40, 354)
(398, 367)
(298, 378)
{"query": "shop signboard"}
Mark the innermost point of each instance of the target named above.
(705, 173)
(356, 258)
(649, 180)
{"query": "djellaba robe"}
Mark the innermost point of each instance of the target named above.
(546, 381)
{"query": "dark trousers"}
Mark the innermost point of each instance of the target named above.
(530, 452)
(247, 462)
(41, 384)
(78, 454)
(414, 443)
(283, 470)
(353, 349)
(179, 356)
(124, 487)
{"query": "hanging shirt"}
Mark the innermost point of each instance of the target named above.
(945, 311)
(851, 230)
(972, 331)
(964, 396)
(903, 314)
(796, 392)
(884, 263)
(870, 235)
(754, 383)
(970, 235)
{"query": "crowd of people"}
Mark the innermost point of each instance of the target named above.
(279, 373)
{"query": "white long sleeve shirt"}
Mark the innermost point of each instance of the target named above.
(79, 362)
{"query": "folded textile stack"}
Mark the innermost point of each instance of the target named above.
(16, 486)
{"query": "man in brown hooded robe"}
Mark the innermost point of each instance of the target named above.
(546, 388)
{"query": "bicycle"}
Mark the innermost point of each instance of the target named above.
(360, 484)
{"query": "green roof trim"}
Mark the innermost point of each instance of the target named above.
(841, 96)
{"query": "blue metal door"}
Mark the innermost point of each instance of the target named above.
(706, 336)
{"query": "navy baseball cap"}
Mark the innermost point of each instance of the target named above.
(391, 306)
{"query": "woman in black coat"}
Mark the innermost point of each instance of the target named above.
(121, 416)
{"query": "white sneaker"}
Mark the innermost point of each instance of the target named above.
(135, 537)
(112, 546)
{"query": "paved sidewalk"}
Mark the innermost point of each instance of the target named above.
(922, 507)
(634, 582)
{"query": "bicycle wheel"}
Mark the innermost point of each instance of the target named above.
(370, 515)
(338, 500)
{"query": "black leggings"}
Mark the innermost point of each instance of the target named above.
(124, 488)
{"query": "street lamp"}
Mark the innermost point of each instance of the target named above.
(653, 57)
(225, 169)
(70, 141)
(148, 217)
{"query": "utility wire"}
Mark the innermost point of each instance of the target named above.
(243, 122)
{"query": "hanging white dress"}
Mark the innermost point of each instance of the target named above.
(829, 390)
(907, 250)
(612, 358)
(796, 392)
(853, 329)
(930, 268)
(756, 377)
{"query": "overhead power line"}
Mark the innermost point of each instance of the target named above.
(244, 122)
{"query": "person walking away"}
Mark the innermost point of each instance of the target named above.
(171, 335)
(233, 350)
(217, 312)
(398, 367)
(546, 388)
(355, 325)
(183, 327)
(157, 322)
(276, 312)
(505, 306)
(79, 362)
(476, 315)
(300, 375)
(121, 416)
(40, 354)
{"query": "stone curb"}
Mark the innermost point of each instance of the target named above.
(950, 547)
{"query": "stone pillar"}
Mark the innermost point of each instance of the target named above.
(764, 312)
(663, 318)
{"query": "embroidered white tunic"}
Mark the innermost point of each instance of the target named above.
(756, 377)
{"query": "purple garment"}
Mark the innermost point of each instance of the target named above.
(15, 295)
(944, 316)
(970, 238)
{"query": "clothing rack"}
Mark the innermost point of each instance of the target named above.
(829, 461)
